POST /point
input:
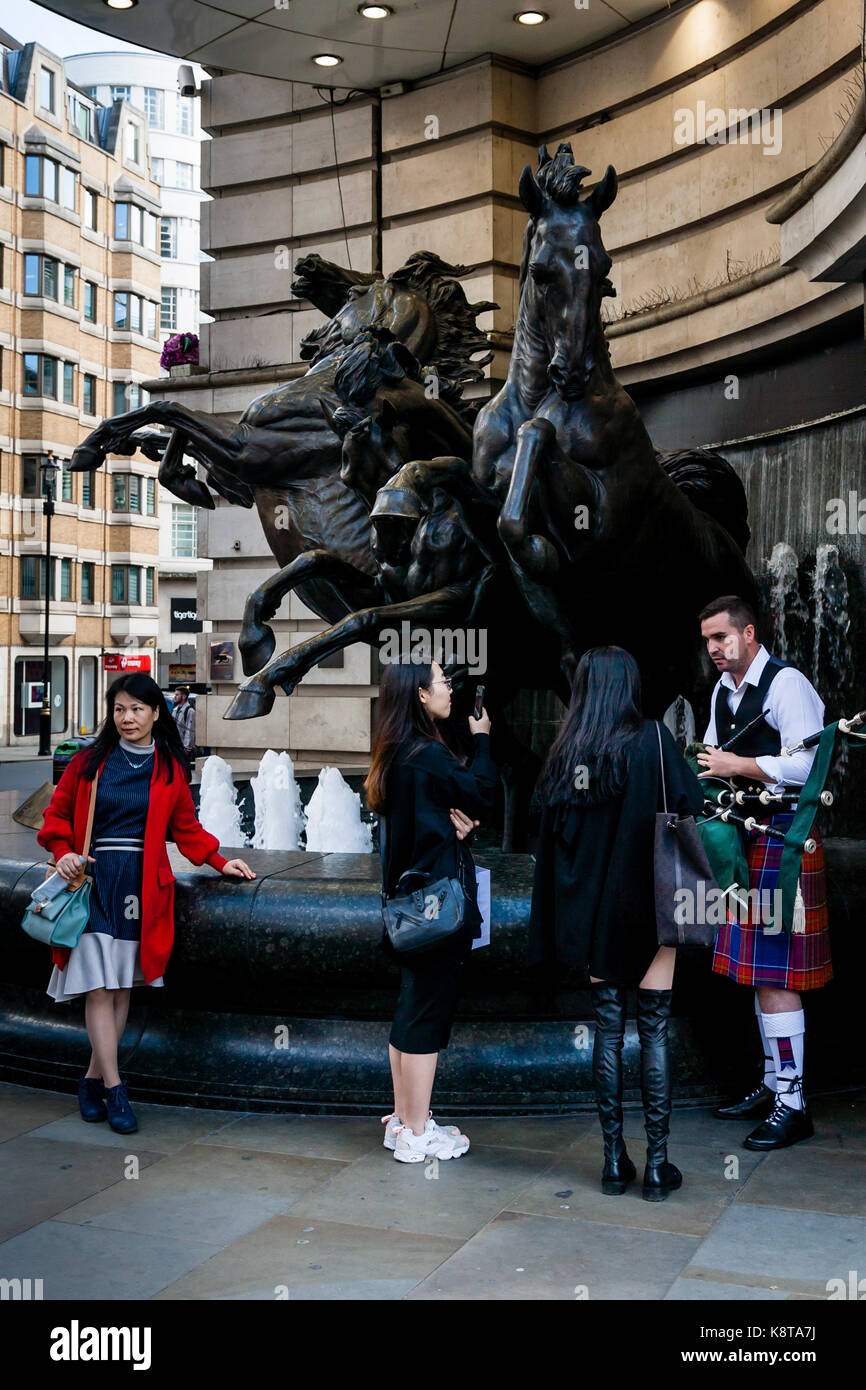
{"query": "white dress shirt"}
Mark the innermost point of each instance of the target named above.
(792, 705)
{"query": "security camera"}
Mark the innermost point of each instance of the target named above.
(186, 81)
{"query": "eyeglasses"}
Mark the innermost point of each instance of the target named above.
(446, 680)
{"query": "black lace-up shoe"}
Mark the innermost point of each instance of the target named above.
(785, 1126)
(755, 1106)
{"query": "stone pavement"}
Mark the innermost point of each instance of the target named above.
(204, 1204)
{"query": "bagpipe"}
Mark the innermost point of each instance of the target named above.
(733, 808)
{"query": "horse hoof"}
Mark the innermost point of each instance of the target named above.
(86, 457)
(288, 683)
(251, 702)
(256, 648)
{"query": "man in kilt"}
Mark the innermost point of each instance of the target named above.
(750, 948)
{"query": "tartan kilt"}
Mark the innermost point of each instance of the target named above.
(745, 952)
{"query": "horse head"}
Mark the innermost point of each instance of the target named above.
(565, 265)
(371, 451)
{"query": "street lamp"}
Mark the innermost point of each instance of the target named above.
(48, 469)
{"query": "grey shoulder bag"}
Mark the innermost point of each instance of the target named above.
(424, 917)
(683, 877)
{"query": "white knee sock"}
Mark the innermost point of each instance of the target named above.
(769, 1060)
(786, 1036)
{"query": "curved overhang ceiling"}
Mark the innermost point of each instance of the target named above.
(282, 38)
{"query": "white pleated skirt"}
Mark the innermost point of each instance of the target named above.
(99, 961)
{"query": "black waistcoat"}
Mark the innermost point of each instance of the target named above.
(761, 741)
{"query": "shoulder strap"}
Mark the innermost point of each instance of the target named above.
(85, 849)
(662, 767)
(383, 832)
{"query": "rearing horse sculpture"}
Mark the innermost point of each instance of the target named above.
(607, 543)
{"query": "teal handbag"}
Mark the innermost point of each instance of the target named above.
(61, 921)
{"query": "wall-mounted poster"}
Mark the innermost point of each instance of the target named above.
(222, 661)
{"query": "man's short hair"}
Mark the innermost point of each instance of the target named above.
(738, 610)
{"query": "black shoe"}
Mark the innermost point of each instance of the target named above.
(653, 1010)
(120, 1114)
(608, 1005)
(755, 1106)
(91, 1099)
(785, 1126)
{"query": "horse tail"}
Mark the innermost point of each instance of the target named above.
(712, 484)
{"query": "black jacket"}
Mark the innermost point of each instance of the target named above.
(593, 901)
(421, 788)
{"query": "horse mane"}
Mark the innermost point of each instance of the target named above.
(458, 337)
(713, 486)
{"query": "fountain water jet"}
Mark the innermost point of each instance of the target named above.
(219, 811)
(279, 817)
(334, 822)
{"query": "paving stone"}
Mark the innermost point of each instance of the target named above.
(536, 1257)
(304, 1257)
(571, 1190)
(811, 1179)
(38, 1180)
(162, 1128)
(88, 1262)
(23, 1108)
(312, 1136)
(202, 1193)
(378, 1191)
(550, 1134)
(770, 1247)
(712, 1291)
(840, 1121)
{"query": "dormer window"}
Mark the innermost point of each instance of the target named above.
(46, 89)
(133, 142)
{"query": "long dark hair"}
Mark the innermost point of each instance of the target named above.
(588, 761)
(169, 748)
(402, 724)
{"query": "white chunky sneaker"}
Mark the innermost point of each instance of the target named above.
(393, 1127)
(433, 1143)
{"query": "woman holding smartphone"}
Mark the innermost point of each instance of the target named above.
(136, 768)
(429, 801)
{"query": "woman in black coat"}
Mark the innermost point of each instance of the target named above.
(428, 801)
(593, 900)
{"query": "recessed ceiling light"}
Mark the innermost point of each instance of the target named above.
(327, 60)
(531, 17)
(375, 11)
(120, 4)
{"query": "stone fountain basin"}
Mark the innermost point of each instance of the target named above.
(278, 997)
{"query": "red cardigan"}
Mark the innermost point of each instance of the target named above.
(170, 808)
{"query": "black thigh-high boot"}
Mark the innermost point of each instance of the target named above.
(653, 1012)
(608, 1005)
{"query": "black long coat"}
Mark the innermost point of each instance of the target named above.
(420, 789)
(593, 901)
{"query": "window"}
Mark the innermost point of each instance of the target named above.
(67, 188)
(149, 594)
(89, 208)
(69, 286)
(131, 223)
(88, 394)
(120, 492)
(119, 398)
(135, 223)
(40, 375)
(88, 716)
(65, 579)
(28, 672)
(121, 93)
(46, 89)
(182, 175)
(81, 120)
(157, 169)
(168, 313)
(154, 108)
(121, 221)
(151, 318)
(68, 383)
(121, 310)
(134, 492)
(133, 142)
(49, 277)
(40, 177)
(31, 477)
(90, 301)
(185, 116)
(88, 578)
(135, 313)
(33, 576)
(88, 489)
(134, 581)
(150, 495)
(151, 224)
(184, 530)
(125, 584)
(65, 490)
(32, 276)
(168, 238)
(91, 92)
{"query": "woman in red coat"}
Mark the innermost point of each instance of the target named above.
(137, 769)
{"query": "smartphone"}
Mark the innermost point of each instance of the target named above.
(479, 702)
